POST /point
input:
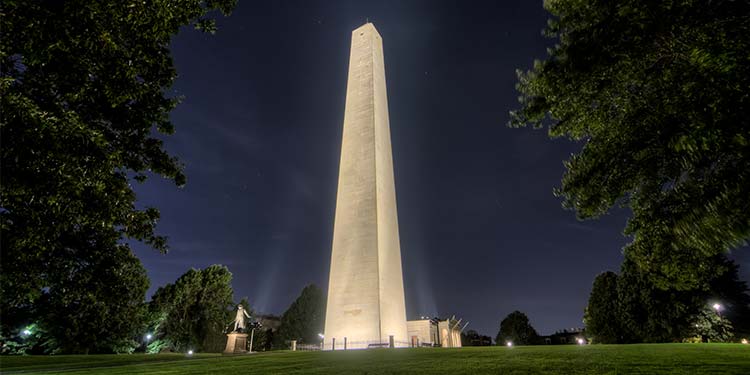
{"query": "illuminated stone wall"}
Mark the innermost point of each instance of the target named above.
(450, 334)
(422, 332)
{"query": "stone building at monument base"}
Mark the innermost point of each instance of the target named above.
(431, 332)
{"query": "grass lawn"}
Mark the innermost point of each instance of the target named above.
(591, 359)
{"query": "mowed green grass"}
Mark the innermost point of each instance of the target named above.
(590, 359)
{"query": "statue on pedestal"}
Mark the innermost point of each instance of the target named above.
(237, 339)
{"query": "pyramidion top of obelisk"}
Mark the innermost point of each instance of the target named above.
(367, 27)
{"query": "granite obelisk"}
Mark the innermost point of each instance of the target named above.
(366, 288)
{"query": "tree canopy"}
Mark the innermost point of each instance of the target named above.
(83, 94)
(81, 314)
(709, 325)
(657, 93)
(602, 323)
(631, 308)
(304, 319)
(474, 338)
(84, 97)
(516, 328)
(194, 312)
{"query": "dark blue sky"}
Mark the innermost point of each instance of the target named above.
(260, 130)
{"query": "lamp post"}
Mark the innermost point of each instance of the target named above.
(253, 326)
(322, 340)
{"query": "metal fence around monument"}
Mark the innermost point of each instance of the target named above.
(358, 345)
(308, 347)
(369, 344)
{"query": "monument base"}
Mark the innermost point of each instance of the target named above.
(236, 343)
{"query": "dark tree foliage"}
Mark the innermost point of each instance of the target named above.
(648, 313)
(304, 319)
(474, 338)
(194, 312)
(263, 340)
(90, 316)
(709, 325)
(651, 314)
(732, 293)
(657, 91)
(515, 328)
(81, 314)
(602, 323)
(83, 93)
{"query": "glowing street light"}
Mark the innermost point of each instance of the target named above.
(26, 332)
(190, 352)
(509, 344)
(581, 341)
(148, 337)
(717, 307)
(744, 341)
(321, 336)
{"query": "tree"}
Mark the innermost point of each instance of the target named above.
(657, 93)
(709, 326)
(648, 313)
(515, 328)
(731, 294)
(652, 314)
(473, 338)
(262, 339)
(83, 94)
(304, 319)
(602, 322)
(80, 314)
(194, 312)
(90, 316)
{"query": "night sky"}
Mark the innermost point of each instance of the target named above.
(260, 130)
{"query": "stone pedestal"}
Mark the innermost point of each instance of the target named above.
(236, 343)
